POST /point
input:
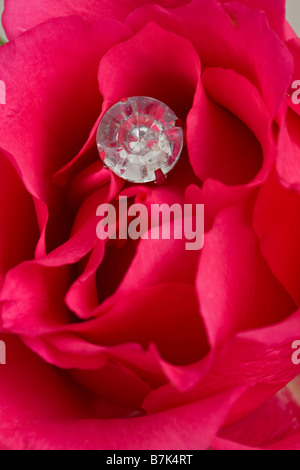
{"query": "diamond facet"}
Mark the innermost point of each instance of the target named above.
(139, 136)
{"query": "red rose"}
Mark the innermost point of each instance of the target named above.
(146, 345)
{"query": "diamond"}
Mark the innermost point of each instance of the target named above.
(139, 137)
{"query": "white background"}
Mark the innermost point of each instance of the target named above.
(293, 14)
(292, 6)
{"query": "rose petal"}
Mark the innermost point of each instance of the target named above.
(288, 160)
(133, 318)
(18, 228)
(115, 383)
(223, 444)
(170, 75)
(275, 12)
(277, 420)
(27, 372)
(54, 121)
(292, 443)
(229, 132)
(19, 16)
(176, 264)
(32, 299)
(190, 427)
(235, 37)
(276, 222)
(236, 289)
(261, 357)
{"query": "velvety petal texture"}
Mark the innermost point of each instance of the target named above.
(21, 16)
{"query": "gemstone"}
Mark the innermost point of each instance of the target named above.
(138, 138)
